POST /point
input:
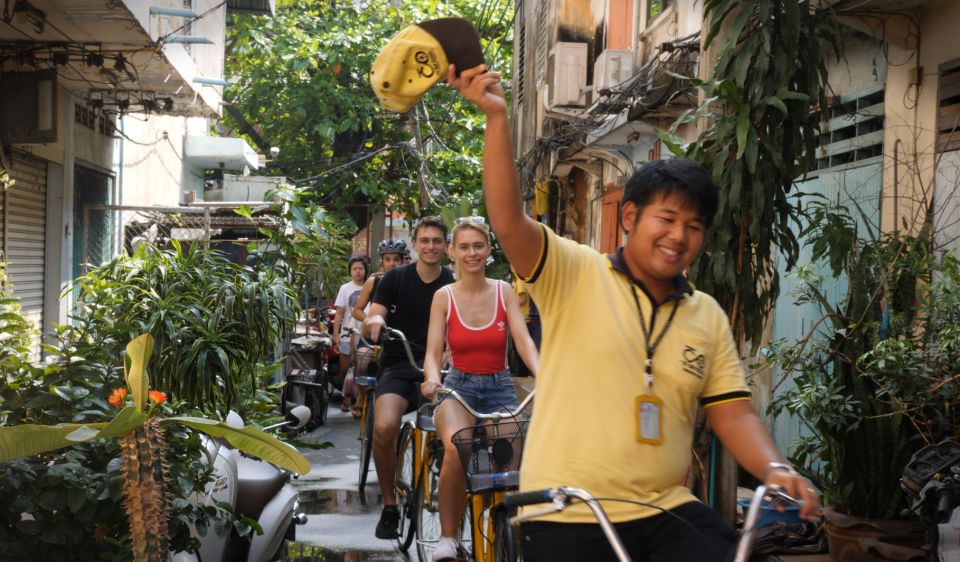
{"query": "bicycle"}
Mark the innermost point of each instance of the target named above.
(561, 497)
(490, 454)
(419, 459)
(419, 453)
(366, 393)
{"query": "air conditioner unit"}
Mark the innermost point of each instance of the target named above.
(28, 107)
(568, 74)
(611, 68)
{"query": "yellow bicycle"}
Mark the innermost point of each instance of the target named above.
(490, 453)
(366, 395)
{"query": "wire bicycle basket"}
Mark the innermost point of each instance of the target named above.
(491, 454)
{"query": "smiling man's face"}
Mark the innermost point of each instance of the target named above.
(665, 237)
(429, 245)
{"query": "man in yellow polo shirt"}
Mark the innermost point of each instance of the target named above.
(629, 349)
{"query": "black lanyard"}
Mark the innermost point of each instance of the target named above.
(647, 334)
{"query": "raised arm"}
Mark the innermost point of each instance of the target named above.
(514, 229)
(435, 343)
(363, 299)
(518, 331)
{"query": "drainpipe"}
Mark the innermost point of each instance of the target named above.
(896, 185)
(119, 195)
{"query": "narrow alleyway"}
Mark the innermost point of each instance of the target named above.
(340, 522)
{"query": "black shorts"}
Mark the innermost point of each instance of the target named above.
(403, 381)
(690, 533)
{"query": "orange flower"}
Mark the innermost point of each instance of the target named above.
(118, 397)
(157, 397)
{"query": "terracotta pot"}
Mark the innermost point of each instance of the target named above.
(844, 534)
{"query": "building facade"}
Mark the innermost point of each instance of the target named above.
(99, 103)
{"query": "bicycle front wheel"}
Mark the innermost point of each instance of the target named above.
(366, 440)
(505, 544)
(427, 511)
(404, 486)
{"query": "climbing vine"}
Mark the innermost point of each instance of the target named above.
(760, 136)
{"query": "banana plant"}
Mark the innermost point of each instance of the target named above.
(140, 431)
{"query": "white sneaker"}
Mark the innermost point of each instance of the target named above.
(446, 549)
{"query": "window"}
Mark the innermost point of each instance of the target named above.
(948, 107)
(851, 130)
(656, 7)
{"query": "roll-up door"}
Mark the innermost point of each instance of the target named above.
(23, 235)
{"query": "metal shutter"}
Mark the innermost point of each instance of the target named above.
(24, 228)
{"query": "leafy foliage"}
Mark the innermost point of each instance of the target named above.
(215, 323)
(143, 470)
(769, 74)
(306, 241)
(876, 379)
(301, 78)
(66, 505)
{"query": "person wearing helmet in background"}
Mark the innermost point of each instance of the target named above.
(392, 252)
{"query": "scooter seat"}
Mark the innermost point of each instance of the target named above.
(258, 482)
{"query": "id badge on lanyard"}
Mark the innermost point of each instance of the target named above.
(648, 407)
(649, 412)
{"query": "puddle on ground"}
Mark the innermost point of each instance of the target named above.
(299, 552)
(341, 502)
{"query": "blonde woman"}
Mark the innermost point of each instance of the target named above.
(471, 316)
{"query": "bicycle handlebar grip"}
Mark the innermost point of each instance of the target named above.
(520, 499)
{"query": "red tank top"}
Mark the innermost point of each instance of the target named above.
(481, 350)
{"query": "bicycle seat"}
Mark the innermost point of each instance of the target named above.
(425, 418)
(365, 381)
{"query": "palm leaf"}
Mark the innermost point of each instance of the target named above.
(250, 440)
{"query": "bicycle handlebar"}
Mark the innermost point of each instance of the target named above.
(395, 335)
(773, 495)
(495, 416)
(520, 499)
(560, 498)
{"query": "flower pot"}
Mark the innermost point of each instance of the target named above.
(844, 534)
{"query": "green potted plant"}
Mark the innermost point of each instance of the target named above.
(140, 430)
(872, 380)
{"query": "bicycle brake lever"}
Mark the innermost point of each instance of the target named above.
(776, 495)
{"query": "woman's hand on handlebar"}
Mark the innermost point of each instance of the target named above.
(429, 387)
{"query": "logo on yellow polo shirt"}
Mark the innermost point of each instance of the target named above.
(693, 361)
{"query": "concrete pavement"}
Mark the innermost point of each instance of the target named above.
(340, 521)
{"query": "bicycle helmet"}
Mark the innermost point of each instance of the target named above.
(392, 246)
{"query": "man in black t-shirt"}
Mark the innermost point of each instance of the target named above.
(402, 301)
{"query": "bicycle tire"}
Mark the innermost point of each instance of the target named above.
(427, 513)
(405, 486)
(366, 441)
(505, 546)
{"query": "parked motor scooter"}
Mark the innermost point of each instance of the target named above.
(932, 482)
(256, 489)
(305, 377)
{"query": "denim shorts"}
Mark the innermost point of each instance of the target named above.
(484, 393)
